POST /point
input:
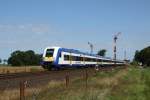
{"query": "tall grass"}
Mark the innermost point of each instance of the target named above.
(127, 84)
(98, 88)
(132, 83)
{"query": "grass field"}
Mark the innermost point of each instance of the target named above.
(126, 84)
(15, 69)
(132, 83)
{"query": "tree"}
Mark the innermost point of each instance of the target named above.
(102, 52)
(143, 56)
(16, 58)
(0, 60)
(20, 58)
(137, 55)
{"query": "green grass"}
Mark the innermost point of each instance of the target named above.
(125, 84)
(135, 85)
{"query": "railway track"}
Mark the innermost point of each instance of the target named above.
(35, 79)
(41, 73)
(22, 75)
(32, 74)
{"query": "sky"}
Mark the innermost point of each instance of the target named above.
(36, 24)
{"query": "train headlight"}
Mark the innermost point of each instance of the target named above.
(48, 59)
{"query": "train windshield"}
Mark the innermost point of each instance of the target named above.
(49, 52)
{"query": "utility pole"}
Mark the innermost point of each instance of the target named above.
(91, 47)
(115, 41)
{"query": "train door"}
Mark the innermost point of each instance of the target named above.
(70, 59)
(60, 59)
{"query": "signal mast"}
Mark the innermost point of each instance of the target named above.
(115, 42)
(91, 47)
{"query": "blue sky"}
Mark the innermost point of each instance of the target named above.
(36, 24)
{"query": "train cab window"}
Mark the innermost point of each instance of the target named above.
(49, 52)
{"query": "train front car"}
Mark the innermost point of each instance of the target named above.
(49, 57)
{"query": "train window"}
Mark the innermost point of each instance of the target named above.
(88, 59)
(73, 58)
(78, 58)
(85, 59)
(103, 60)
(66, 57)
(49, 52)
(93, 59)
(99, 60)
(106, 61)
(81, 58)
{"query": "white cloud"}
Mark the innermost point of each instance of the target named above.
(40, 29)
(26, 28)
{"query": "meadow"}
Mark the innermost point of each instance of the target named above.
(132, 83)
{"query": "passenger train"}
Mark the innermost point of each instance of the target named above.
(57, 58)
